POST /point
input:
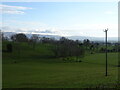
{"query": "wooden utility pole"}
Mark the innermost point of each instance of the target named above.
(106, 50)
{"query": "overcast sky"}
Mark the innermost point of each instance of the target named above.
(61, 18)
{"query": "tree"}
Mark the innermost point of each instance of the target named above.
(34, 40)
(19, 37)
(66, 48)
(86, 42)
(9, 48)
(79, 53)
(96, 46)
(3, 37)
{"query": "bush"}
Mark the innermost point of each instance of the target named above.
(9, 48)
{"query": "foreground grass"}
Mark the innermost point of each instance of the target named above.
(54, 73)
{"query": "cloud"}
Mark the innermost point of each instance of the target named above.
(109, 12)
(42, 31)
(92, 29)
(12, 9)
(32, 27)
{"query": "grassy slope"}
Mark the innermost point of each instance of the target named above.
(34, 70)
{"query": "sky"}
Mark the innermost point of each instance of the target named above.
(60, 18)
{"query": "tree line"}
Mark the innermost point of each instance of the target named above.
(63, 47)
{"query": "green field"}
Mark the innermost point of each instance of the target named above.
(38, 69)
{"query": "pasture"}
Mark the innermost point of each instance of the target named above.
(38, 69)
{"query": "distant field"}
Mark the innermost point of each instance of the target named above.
(54, 73)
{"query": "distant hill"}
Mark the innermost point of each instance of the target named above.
(9, 34)
(111, 39)
(93, 38)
